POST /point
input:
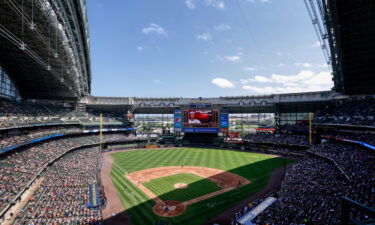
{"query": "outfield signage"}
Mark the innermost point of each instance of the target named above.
(201, 130)
(246, 219)
(177, 120)
(108, 130)
(224, 119)
(2, 151)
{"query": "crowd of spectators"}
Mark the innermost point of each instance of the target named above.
(309, 195)
(312, 188)
(354, 111)
(297, 128)
(240, 213)
(19, 167)
(13, 114)
(368, 138)
(359, 164)
(13, 108)
(285, 151)
(15, 137)
(286, 139)
(63, 195)
(16, 114)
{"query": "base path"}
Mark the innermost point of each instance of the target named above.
(226, 180)
(113, 213)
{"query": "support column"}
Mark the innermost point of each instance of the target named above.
(277, 118)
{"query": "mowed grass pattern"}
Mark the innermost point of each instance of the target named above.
(253, 166)
(197, 186)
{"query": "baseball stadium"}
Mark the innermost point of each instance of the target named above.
(75, 150)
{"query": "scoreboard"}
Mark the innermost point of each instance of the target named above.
(201, 118)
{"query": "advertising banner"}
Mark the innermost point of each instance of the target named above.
(224, 120)
(177, 120)
(201, 130)
(246, 219)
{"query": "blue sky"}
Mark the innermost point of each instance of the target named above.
(208, 48)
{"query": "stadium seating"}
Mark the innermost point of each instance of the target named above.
(286, 139)
(311, 190)
(64, 193)
(14, 114)
(368, 138)
(350, 112)
(19, 136)
(19, 167)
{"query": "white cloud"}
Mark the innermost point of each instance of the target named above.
(324, 65)
(260, 1)
(233, 58)
(222, 27)
(222, 82)
(248, 68)
(310, 65)
(204, 37)
(279, 53)
(244, 81)
(139, 48)
(157, 81)
(258, 90)
(154, 28)
(218, 4)
(281, 64)
(305, 64)
(262, 79)
(190, 4)
(304, 81)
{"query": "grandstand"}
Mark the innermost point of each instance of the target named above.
(68, 157)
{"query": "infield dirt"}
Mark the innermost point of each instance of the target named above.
(226, 180)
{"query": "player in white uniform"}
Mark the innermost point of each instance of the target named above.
(192, 119)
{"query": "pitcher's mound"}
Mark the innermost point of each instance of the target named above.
(180, 185)
(169, 208)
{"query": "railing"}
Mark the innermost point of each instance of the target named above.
(345, 125)
(331, 160)
(347, 204)
(58, 135)
(361, 143)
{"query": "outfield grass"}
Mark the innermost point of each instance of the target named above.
(253, 166)
(197, 186)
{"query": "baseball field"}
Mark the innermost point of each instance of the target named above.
(187, 185)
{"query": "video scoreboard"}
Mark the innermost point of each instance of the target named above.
(201, 118)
